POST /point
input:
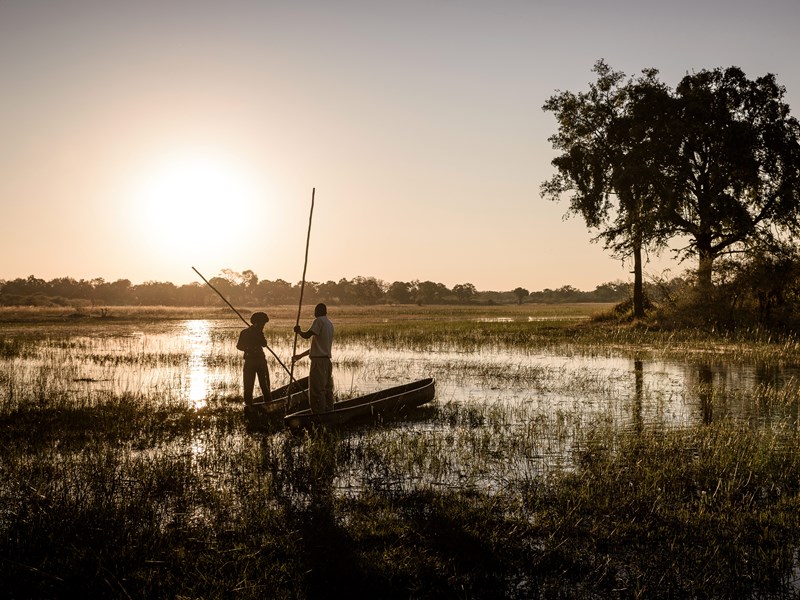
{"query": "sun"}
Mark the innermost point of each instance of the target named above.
(191, 205)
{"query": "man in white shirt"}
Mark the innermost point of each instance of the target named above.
(320, 376)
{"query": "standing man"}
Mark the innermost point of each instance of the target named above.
(320, 376)
(252, 343)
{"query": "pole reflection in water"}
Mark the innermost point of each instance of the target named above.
(198, 335)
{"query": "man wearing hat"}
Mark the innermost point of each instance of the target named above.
(252, 343)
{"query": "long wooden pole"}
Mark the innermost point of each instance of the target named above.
(305, 266)
(246, 322)
(224, 299)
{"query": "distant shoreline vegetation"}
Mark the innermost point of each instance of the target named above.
(760, 295)
(246, 289)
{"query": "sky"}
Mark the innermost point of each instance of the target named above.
(140, 139)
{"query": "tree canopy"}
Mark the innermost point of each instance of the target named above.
(715, 161)
(732, 164)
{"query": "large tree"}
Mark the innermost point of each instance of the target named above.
(717, 160)
(400, 292)
(733, 164)
(608, 164)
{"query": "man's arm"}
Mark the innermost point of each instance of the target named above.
(303, 334)
(297, 357)
(240, 344)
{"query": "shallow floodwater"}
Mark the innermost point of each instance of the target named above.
(195, 362)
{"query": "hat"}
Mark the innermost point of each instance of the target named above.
(259, 318)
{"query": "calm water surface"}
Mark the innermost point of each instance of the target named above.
(195, 362)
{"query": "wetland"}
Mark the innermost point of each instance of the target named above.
(561, 457)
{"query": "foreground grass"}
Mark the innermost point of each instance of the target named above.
(193, 509)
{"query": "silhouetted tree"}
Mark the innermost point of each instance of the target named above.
(249, 285)
(607, 154)
(367, 290)
(520, 294)
(154, 293)
(35, 291)
(116, 293)
(770, 280)
(330, 292)
(400, 293)
(347, 294)
(733, 164)
(612, 291)
(226, 287)
(275, 292)
(465, 292)
(429, 292)
(194, 294)
(67, 287)
(22, 287)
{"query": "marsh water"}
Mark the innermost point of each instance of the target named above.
(194, 363)
(139, 425)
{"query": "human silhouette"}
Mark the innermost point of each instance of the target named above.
(252, 343)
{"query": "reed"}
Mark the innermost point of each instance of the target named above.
(702, 511)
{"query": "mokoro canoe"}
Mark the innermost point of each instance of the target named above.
(259, 413)
(391, 401)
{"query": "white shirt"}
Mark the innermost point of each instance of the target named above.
(322, 340)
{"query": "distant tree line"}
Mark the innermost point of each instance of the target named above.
(246, 289)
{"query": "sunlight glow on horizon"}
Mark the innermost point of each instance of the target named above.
(199, 204)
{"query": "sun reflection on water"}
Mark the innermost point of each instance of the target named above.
(198, 334)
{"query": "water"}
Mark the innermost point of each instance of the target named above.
(195, 362)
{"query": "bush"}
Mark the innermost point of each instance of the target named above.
(761, 291)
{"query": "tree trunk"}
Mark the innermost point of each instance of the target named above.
(638, 284)
(705, 269)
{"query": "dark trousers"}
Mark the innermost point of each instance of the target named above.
(255, 367)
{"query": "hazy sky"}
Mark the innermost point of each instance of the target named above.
(141, 138)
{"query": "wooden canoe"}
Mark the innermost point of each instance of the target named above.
(259, 413)
(391, 401)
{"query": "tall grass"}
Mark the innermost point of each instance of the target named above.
(467, 511)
